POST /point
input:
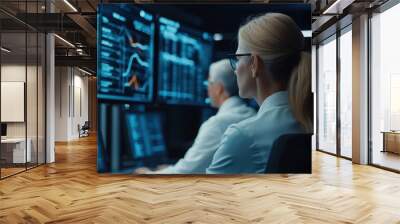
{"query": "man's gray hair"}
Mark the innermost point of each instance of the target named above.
(221, 71)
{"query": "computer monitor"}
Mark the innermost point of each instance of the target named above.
(3, 130)
(146, 140)
(183, 60)
(125, 53)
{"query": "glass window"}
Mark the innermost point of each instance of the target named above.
(346, 94)
(313, 89)
(327, 96)
(385, 88)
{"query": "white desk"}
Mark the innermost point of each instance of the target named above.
(18, 150)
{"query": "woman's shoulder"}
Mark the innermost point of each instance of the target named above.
(236, 139)
(242, 129)
(266, 122)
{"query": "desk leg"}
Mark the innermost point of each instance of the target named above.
(384, 142)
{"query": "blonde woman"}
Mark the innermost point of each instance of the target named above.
(272, 68)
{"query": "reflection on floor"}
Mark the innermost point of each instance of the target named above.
(8, 170)
(71, 191)
(386, 159)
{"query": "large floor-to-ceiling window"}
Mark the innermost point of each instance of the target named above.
(334, 81)
(345, 93)
(385, 89)
(326, 60)
(334, 95)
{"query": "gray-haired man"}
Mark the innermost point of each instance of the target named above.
(222, 90)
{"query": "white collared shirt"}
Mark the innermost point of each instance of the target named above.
(200, 155)
(246, 146)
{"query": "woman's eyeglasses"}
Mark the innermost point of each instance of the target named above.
(233, 59)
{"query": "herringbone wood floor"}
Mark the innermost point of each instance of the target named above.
(70, 191)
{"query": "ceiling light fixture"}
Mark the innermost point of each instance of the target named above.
(64, 40)
(328, 10)
(307, 33)
(84, 71)
(5, 50)
(70, 5)
(337, 7)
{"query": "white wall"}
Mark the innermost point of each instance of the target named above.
(79, 117)
(61, 103)
(13, 72)
(70, 83)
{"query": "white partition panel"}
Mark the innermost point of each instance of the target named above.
(12, 101)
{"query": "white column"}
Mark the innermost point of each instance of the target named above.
(360, 90)
(50, 93)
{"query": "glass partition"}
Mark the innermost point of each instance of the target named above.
(31, 99)
(22, 77)
(14, 151)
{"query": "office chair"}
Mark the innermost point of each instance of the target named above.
(84, 130)
(290, 153)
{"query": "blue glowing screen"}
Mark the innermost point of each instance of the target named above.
(125, 53)
(145, 133)
(184, 57)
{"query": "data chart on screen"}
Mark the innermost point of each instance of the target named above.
(184, 57)
(145, 135)
(125, 53)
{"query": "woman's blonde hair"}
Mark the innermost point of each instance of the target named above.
(277, 39)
